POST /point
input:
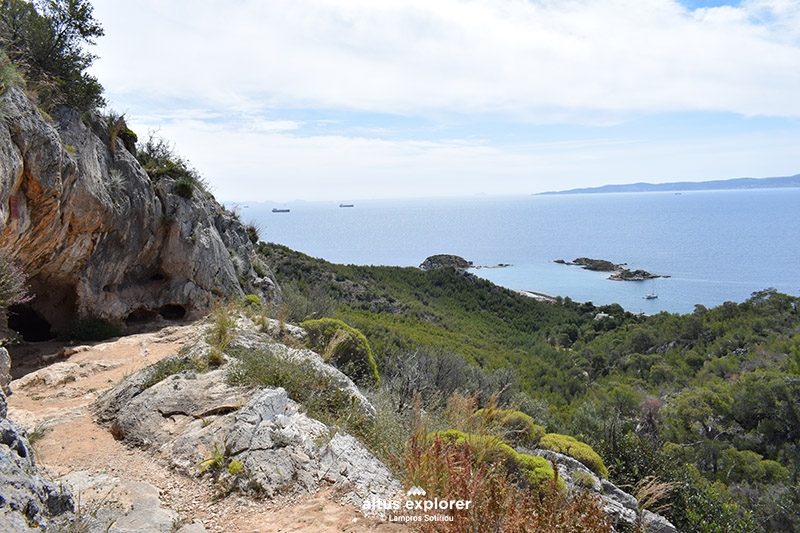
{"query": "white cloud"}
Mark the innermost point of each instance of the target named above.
(534, 60)
(264, 97)
(251, 165)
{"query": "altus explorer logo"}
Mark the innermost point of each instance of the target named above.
(418, 507)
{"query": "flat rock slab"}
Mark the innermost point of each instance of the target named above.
(122, 506)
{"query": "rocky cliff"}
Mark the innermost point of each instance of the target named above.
(98, 237)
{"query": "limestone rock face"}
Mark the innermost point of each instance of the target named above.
(5, 371)
(619, 506)
(190, 417)
(96, 236)
(27, 498)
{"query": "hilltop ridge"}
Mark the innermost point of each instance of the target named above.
(713, 185)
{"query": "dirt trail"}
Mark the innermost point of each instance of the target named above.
(55, 399)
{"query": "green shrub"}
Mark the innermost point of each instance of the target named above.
(253, 232)
(90, 329)
(516, 426)
(258, 266)
(129, 138)
(48, 39)
(184, 187)
(215, 357)
(223, 328)
(9, 74)
(235, 468)
(161, 370)
(575, 449)
(252, 301)
(318, 393)
(344, 347)
(531, 470)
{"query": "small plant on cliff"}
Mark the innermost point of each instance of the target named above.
(217, 459)
(253, 232)
(9, 74)
(118, 129)
(159, 159)
(223, 328)
(184, 188)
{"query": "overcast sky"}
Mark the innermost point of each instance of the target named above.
(352, 99)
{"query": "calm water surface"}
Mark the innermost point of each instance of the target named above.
(716, 245)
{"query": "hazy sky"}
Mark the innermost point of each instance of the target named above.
(350, 99)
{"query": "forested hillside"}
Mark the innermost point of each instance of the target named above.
(706, 402)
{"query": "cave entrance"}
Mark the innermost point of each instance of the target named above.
(172, 311)
(31, 325)
(141, 315)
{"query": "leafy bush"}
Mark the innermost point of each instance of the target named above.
(159, 159)
(184, 188)
(253, 232)
(9, 74)
(532, 471)
(48, 39)
(452, 470)
(516, 426)
(252, 301)
(575, 449)
(297, 305)
(344, 347)
(90, 329)
(164, 368)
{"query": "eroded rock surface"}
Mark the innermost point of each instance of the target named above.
(621, 507)
(97, 236)
(28, 499)
(189, 418)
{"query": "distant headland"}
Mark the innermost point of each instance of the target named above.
(715, 185)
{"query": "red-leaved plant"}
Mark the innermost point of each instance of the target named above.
(448, 470)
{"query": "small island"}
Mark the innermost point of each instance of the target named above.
(445, 261)
(618, 270)
(454, 261)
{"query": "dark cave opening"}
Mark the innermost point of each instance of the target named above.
(140, 316)
(172, 311)
(31, 325)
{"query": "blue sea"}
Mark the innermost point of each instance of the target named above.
(716, 246)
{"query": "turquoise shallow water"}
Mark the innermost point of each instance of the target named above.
(717, 246)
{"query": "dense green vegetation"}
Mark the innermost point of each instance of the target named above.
(46, 40)
(706, 401)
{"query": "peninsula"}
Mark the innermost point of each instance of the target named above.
(715, 185)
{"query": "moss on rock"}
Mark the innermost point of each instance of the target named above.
(575, 449)
(517, 426)
(531, 470)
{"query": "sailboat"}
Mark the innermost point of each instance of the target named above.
(652, 295)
